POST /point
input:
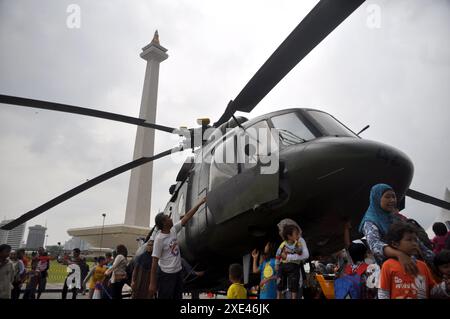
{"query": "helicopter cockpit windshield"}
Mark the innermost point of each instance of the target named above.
(328, 125)
(291, 129)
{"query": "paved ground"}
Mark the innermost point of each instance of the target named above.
(57, 295)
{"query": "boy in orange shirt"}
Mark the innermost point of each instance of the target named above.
(395, 283)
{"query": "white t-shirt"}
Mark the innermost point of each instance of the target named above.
(166, 249)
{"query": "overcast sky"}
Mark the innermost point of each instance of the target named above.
(395, 78)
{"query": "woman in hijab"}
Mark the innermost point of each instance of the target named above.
(380, 215)
(140, 281)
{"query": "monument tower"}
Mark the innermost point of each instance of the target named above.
(137, 214)
(140, 189)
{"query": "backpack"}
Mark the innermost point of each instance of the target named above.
(350, 286)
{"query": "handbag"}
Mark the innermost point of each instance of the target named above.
(120, 276)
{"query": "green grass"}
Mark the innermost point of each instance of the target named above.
(58, 272)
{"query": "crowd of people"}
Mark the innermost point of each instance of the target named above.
(393, 259)
(16, 269)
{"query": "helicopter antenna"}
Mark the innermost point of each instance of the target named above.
(365, 128)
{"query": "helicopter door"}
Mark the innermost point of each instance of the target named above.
(246, 185)
(197, 189)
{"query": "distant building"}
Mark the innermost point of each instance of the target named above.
(36, 237)
(12, 237)
(76, 242)
(3, 234)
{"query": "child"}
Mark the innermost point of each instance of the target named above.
(395, 283)
(32, 280)
(442, 264)
(236, 290)
(109, 259)
(442, 235)
(96, 276)
(268, 284)
(288, 271)
(351, 284)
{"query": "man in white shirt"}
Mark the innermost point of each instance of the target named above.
(166, 255)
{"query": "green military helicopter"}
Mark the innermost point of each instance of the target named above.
(305, 165)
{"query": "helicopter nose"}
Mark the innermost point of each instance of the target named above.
(348, 162)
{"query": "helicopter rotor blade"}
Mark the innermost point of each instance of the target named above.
(428, 199)
(315, 27)
(14, 100)
(81, 188)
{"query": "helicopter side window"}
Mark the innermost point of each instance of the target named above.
(224, 163)
(291, 129)
(254, 143)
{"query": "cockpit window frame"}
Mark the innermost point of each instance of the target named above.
(305, 120)
(323, 131)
